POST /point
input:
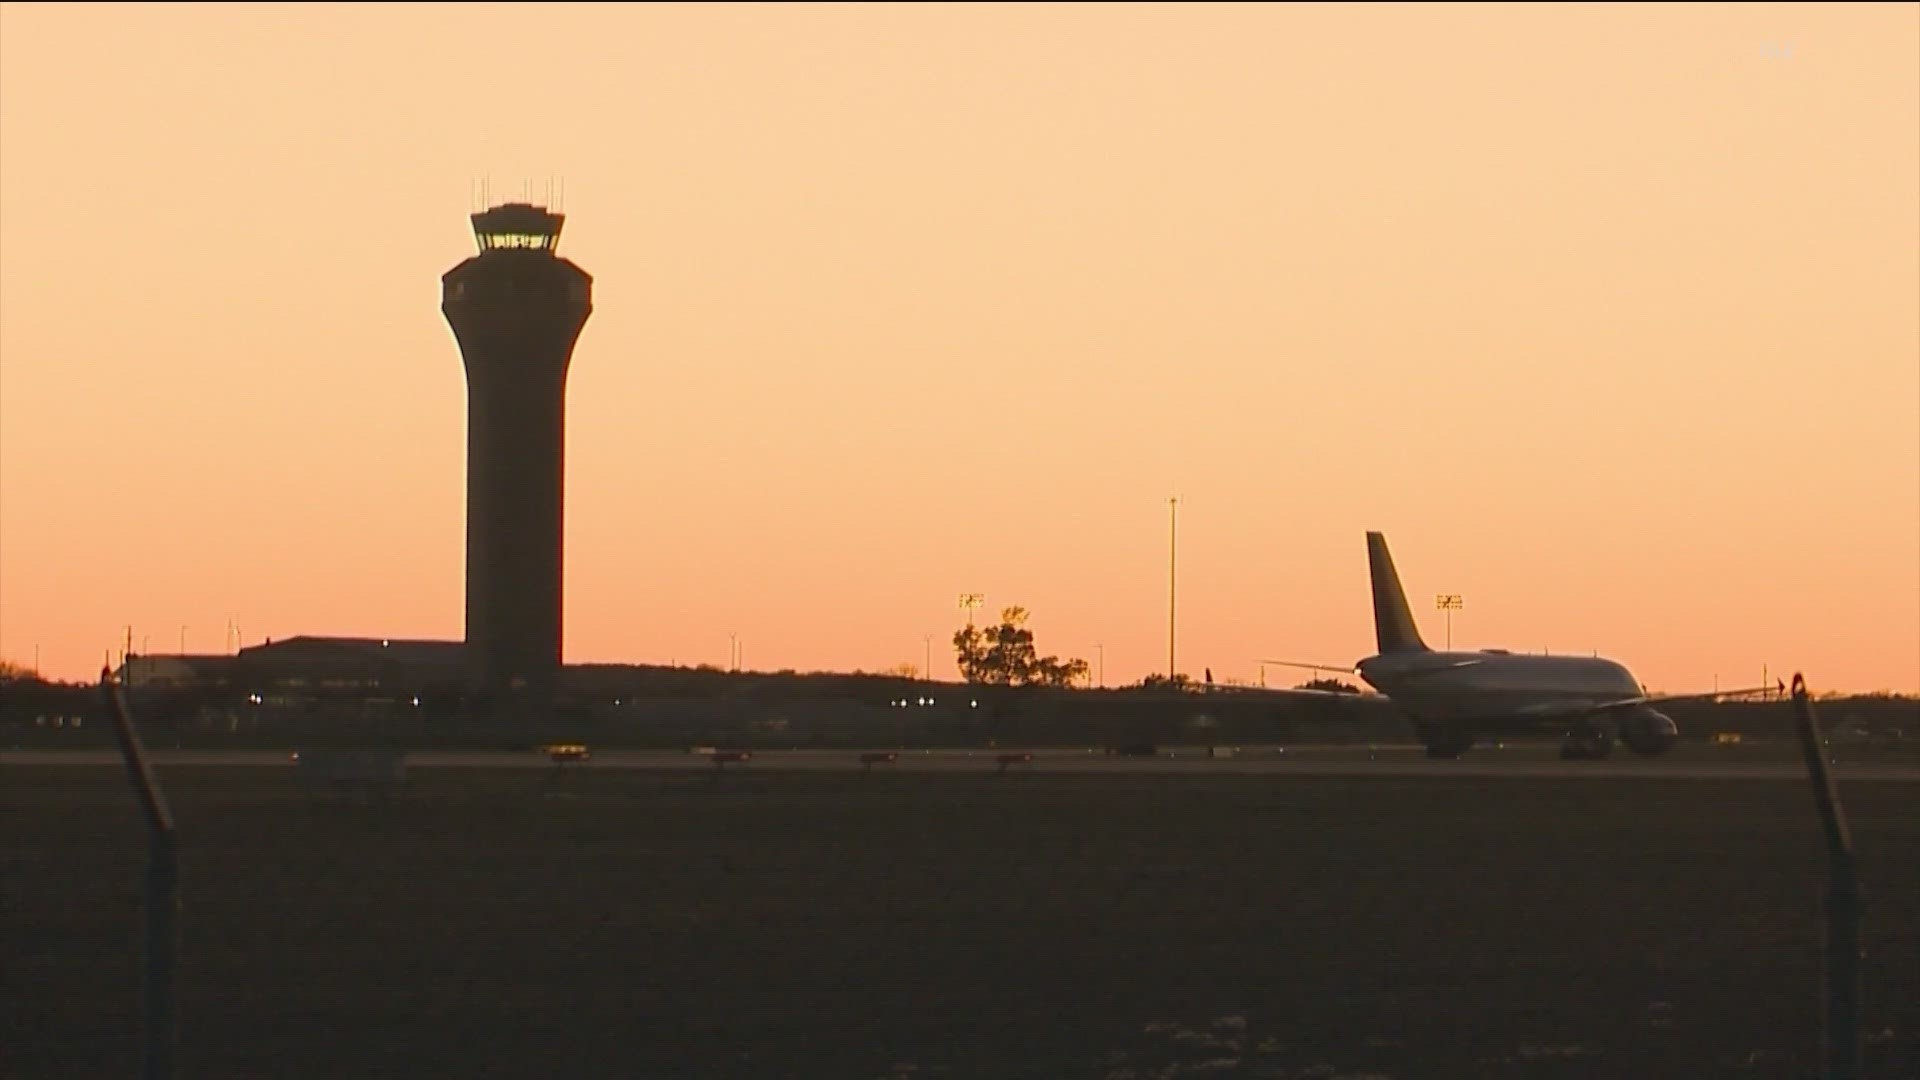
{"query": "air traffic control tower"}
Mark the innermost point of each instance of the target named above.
(516, 309)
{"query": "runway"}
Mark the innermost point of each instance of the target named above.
(1532, 761)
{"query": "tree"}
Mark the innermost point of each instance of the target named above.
(1330, 685)
(1004, 655)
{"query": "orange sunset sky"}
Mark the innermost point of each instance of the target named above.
(1608, 316)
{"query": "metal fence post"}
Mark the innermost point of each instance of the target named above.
(163, 894)
(1840, 1015)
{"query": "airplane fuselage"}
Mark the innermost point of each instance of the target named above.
(1494, 690)
(1455, 698)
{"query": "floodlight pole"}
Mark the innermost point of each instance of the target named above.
(163, 893)
(1173, 535)
(1449, 603)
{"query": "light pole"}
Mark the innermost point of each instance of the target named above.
(1449, 603)
(1173, 533)
(733, 652)
(969, 601)
(927, 672)
(1102, 651)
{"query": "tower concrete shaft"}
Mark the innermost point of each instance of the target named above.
(516, 310)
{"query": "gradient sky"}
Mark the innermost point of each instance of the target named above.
(1608, 316)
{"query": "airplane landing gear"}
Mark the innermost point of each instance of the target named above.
(1587, 742)
(1445, 745)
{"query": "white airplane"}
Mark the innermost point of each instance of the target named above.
(1454, 698)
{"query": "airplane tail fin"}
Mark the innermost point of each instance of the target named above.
(1392, 619)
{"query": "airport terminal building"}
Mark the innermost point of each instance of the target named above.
(302, 671)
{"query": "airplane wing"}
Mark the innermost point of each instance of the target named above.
(1352, 670)
(1285, 692)
(1710, 695)
(1346, 669)
(1574, 710)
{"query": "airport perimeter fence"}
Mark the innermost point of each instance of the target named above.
(1884, 724)
(383, 772)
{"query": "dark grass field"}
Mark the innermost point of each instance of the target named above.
(624, 924)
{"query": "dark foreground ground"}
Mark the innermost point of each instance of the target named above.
(628, 924)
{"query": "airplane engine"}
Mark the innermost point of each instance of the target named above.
(1648, 732)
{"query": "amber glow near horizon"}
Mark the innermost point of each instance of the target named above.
(1609, 317)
